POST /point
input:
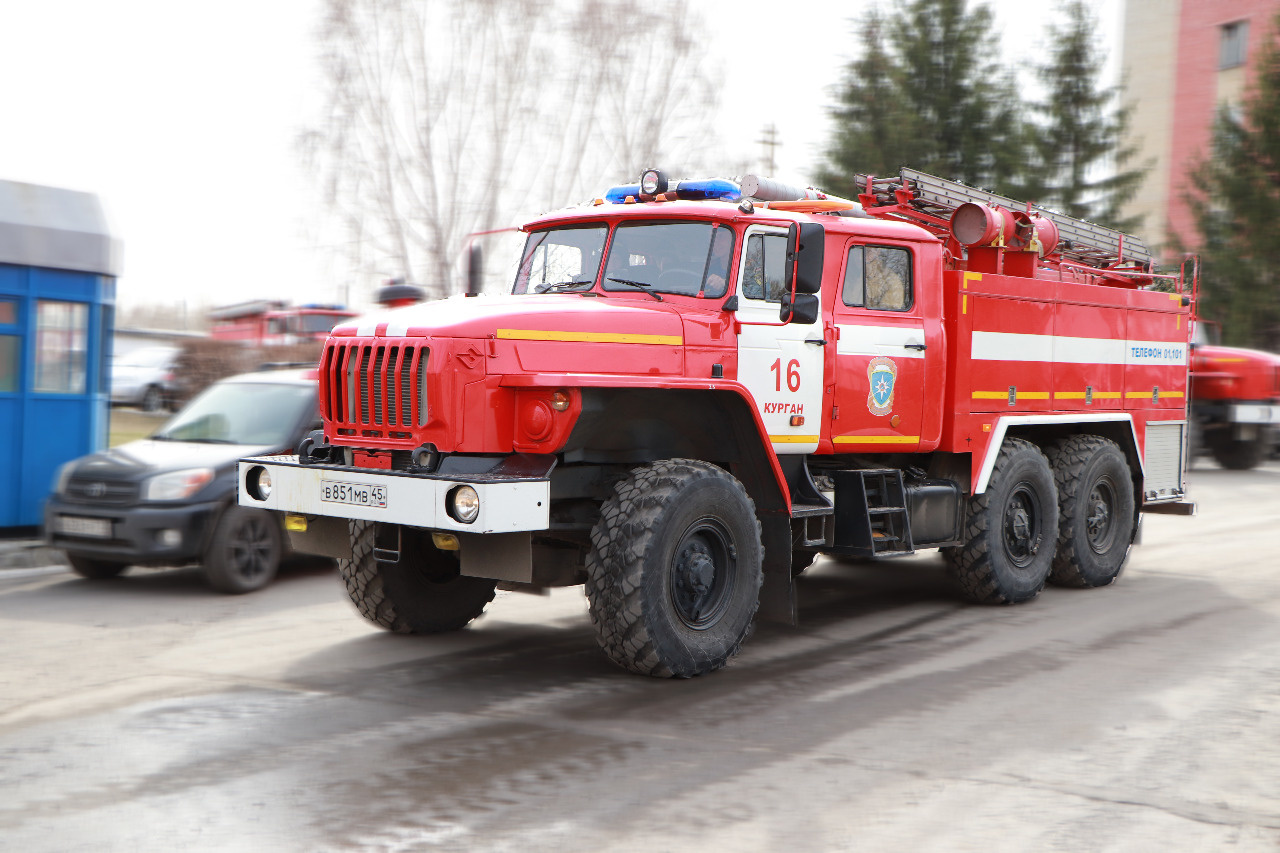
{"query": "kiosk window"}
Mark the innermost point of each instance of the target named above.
(9, 362)
(62, 329)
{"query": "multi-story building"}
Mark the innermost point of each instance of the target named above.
(1184, 60)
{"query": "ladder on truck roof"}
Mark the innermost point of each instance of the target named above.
(935, 199)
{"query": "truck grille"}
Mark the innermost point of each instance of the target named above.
(374, 384)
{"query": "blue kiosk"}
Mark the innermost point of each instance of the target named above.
(58, 269)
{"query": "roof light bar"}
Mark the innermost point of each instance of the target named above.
(712, 189)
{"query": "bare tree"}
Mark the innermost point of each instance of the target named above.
(443, 118)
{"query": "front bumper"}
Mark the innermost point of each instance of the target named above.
(515, 496)
(135, 531)
(1254, 413)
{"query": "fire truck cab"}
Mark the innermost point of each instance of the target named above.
(696, 387)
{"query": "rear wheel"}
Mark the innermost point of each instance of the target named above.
(423, 593)
(674, 573)
(95, 569)
(1096, 511)
(1010, 530)
(152, 399)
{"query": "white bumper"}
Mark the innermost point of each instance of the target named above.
(507, 505)
(1254, 413)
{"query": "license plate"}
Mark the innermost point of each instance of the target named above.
(359, 494)
(74, 525)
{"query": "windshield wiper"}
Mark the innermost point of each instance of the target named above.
(560, 285)
(640, 284)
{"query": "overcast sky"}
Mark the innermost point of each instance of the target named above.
(182, 118)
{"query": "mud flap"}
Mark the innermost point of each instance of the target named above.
(778, 591)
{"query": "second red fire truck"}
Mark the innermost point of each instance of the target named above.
(696, 387)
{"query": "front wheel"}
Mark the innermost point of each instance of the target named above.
(1237, 454)
(674, 572)
(423, 593)
(1010, 530)
(244, 552)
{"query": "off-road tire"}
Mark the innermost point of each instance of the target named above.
(1010, 530)
(1236, 455)
(244, 552)
(95, 570)
(422, 594)
(674, 572)
(1096, 513)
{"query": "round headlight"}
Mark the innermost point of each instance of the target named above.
(464, 504)
(258, 483)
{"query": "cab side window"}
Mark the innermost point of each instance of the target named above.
(878, 277)
(764, 268)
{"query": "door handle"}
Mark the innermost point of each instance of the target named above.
(920, 347)
(819, 342)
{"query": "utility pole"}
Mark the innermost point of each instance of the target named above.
(770, 143)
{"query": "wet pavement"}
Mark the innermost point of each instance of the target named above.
(150, 714)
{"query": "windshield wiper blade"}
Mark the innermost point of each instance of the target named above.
(561, 285)
(643, 285)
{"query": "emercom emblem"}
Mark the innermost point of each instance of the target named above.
(882, 373)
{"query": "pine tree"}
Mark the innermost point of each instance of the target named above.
(1080, 155)
(928, 92)
(1235, 200)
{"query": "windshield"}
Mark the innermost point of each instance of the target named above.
(242, 413)
(688, 258)
(310, 324)
(561, 259)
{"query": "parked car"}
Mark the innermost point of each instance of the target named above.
(144, 378)
(170, 499)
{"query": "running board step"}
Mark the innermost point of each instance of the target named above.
(871, 515)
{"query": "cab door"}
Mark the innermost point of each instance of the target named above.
(880, 352)
(781, 365)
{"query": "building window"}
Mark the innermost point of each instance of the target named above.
(62, 330)
(1232, 45)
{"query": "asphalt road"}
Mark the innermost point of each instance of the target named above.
(150, 714)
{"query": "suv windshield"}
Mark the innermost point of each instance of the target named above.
(689, 258)
(561, 259)
(242, 413)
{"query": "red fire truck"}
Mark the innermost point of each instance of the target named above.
(270, 322)
(695, 387)
(1235, 401)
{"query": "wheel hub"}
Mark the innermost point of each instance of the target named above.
(701, 576)
(1021, 527)
(1099, 517)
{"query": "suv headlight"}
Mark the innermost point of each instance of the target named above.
(63, 476)
(176, 485)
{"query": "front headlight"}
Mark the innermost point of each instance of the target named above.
(463, 504)
(176, 485)
(64, 474)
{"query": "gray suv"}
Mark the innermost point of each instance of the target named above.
(170, 498)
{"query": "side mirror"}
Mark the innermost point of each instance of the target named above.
(475, 270)
(805, 242)
(804, 309)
